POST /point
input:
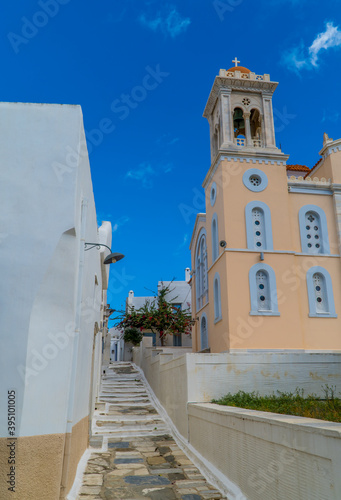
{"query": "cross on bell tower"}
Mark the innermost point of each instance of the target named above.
(235, 61)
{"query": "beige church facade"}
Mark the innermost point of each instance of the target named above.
(266, 268)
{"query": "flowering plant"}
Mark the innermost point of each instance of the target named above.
(158, 316)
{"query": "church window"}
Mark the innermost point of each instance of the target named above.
(217, 298)
(246, 101)
(313, 229)
(320, 293)
(263, 292)
(215, 238)
(239, 126)
(258, 226)
(201, 271)
(213, 194)
(256, 128)
(203, 332)
(255, 180)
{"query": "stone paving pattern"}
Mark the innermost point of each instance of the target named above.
(141, 460)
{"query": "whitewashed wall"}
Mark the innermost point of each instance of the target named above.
(258, 456)
(210, 376)
(49, 300)
(269, 456)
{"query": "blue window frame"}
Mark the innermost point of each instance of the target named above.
(320, 293)
(313, 230)
(204, 332)
(201, 279)
(263, 291)
(215, 238)
(258, 226)
(217, 298)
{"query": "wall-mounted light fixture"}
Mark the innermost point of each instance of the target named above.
(111, 258)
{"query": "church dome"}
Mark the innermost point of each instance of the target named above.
(239, 68)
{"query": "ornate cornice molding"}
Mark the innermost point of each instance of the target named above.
(227, 84)
(279, 159)
(331, 147)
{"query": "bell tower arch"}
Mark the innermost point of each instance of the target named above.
(240, 115)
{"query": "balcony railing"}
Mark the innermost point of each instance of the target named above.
(241, 141)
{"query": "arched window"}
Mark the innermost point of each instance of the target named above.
(256, 128)
(238, 122)
(201, 271)
(320, 290)
(215, 238)
(313, 230)
(217, 298)
(258, 226)
(203, 332)
(239, 127)
(263, 291)
(215, 140)
(320, 293)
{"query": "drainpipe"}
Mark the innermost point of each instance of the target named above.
(72, 388)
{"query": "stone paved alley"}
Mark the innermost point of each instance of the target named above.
(134, 455)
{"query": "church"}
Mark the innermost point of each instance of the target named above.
(266, 268)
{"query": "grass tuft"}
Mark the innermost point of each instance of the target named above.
(287, 403)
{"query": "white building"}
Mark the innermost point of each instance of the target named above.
(179, 295)
(116, 345)
(52, 293)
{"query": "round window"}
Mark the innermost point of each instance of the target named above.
(213, 194)
(255, 180)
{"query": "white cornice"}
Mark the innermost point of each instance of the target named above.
(199, 218)
(330, 147)
(267, 159)
(230, 83)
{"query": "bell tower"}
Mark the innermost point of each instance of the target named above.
(239, 111)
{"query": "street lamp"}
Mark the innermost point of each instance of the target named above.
(111, 258)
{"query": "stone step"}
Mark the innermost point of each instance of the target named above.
(126, 399)
(105, 417)
(137, 430)
(123, 390)
(127, 404)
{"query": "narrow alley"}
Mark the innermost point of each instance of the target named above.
(134, 454)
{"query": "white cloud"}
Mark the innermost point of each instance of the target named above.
(329, 38)
(169, 23)
(182, 246)
(302, 57)
(145, 173)
(120, 222)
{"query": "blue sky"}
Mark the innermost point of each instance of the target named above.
(142, 72)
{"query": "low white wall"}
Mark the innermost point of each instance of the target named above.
(178, 377)
(269, 456)
(266, 456)
(214, 375)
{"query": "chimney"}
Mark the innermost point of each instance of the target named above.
(187, 274)
(130, 297)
